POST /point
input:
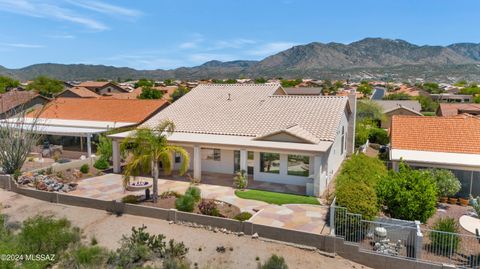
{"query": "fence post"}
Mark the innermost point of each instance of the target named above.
(418, 241)
(172, 215)
(332, 217)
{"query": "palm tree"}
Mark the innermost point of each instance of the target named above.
(148, 147)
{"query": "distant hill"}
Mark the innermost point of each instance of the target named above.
(374, 58)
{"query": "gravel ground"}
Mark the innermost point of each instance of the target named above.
(108, 229)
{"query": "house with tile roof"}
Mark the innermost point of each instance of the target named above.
(452, 109)
(74, 122)
(16, 101)
(102, 87)
(398, 107)
(441, 142)
(77, 92)
(291, 140)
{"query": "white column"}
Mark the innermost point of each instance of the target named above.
(244, 160)
(116, 156)
(197, 163)
(317, 178)
(89, 145)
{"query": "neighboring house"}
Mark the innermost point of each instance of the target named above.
(455, 109)
(70, 121)
(102, 87)
(77, 92)
(452, 98)
(304, 91)
(16, 101)
(442, 142)
(167, 92)
(398, 107)
(279, 138)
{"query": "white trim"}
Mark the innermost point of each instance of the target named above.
(441, 158)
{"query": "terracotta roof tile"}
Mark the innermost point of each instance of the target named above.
(97, 109)
(82, 92)
(457, 134)
(92, 84)
(14, 98)
(455, 109)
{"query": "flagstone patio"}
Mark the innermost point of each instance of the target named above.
(309, 218)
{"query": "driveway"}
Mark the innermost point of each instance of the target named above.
(308, 218)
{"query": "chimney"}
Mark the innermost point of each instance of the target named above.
(352, 101)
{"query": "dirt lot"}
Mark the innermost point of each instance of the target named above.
(108, 230)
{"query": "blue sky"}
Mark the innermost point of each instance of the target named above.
(151, 34)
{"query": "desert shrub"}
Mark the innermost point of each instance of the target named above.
(84, 168)
(240, 181)
(356, 184)
(195, 192)
(243, 216)
(104, 147)
(167, 194)
(101, 164)
(86, 258)
(208, 208)
(444, 238)
(141, 246)
(274, 262)
(130, 199)
(408, 194)
(170, 263)
(185, 203)
(447, 183)
(379, 136)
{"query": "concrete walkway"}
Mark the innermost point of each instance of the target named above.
(309, 218)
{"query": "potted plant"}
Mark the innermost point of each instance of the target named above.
(443, 199)
(464, 201)
(452, 200)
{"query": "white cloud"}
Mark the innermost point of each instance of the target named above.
(198, 58)
(234, 44)
(188, 45)
(270, 48)
(105, 8)
(21, 45)
(64, 36)
(45, 10)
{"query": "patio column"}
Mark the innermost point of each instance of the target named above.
(244, 160)
(317, 176)
(197, 163)
(89, 145)
(116, 156)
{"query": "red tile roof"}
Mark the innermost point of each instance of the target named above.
(15, 98)
(93, 84)
(99, 109)
(455, 109)
(82, 92)
(457, 134)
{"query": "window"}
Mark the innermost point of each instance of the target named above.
(177, 157)
(342, 146)
(212, 154)
(270, 162)
(298, 165)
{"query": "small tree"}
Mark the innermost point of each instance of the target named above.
(274, 262)
(150, 93)
(408, 194)
(240, 180)
(46, 86)
(181, 91)
(447, 183)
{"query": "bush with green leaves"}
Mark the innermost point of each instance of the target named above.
(195, 192)
(378, 136)
(130, 199)
(84, 168)
(362, 133)
(104, 147)
(356, 185)
(408, 194)
(447, 183)
(240, 181)
(243, 216)
(86, 257)
(274, 262)
(101, 164)
(185, 203)
(444, 236)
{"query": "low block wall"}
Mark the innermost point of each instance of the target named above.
(58, 167)
(325, 243)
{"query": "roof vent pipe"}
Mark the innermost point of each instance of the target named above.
(229, 99)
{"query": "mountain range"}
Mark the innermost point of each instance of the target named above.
(369, 58)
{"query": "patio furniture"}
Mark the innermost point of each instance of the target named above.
(139, 186)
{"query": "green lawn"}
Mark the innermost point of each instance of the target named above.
(276, 198)
(428, 113)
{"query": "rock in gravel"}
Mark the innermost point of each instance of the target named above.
(255, 235)
(240, 234)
